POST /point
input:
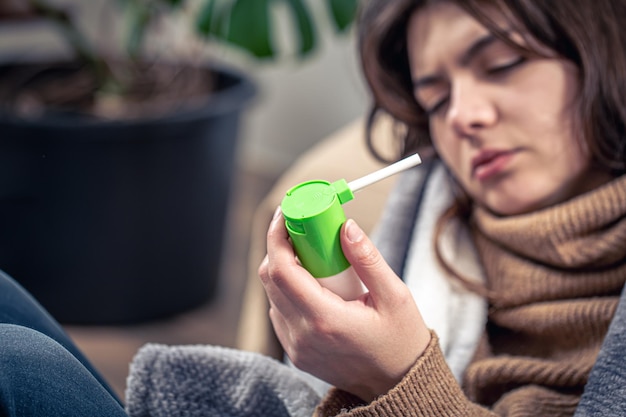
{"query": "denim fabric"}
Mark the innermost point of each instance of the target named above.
(39, 377)
(42, 373)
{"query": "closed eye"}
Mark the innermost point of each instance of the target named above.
(504, 68)
(434, 109)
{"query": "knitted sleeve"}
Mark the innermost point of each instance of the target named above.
(429, 389)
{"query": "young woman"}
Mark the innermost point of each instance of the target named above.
(524, 106)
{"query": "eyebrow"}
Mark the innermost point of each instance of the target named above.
(476, 47)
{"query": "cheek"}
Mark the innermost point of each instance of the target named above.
(570, 164)
(447, 147)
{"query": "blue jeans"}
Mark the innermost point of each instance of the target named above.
(42, 373)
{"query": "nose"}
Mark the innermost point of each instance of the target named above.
(471, 108)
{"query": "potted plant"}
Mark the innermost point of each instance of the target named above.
(115, 172)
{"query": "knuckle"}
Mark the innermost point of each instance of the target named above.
(271, 273)
(319, 326)
(278, 276)
(274, 315)
(272, 233)
(262, 271)
(324, 328)
(300, 352)
(369, 257)
(404, 299)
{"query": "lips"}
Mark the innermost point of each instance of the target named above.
(489, 163)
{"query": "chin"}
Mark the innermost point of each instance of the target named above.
(513, 206)
(513, 196)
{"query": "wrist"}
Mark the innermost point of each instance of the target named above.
(382, 384)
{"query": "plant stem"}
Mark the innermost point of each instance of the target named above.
(78, 42)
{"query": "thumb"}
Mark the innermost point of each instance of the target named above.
(367, 261)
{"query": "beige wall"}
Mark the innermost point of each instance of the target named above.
(299, 104)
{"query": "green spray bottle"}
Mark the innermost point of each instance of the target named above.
(314, 215)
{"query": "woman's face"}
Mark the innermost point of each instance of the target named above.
(500, 120)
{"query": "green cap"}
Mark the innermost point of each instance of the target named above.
(313, 216)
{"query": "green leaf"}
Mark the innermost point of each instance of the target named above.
(171, 3)
(249, 27)
(139, 17)
(304, 26)
(140, 14)
(343, 12)
(208, 22)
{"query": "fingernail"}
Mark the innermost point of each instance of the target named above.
(353, 231)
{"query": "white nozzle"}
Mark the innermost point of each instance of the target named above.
(385, 172)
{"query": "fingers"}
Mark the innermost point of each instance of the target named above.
(279, 249)
(290, 287)
(274, 295)
(279, 324)
(368, 263)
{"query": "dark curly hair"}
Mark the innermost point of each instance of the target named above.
(587, 33)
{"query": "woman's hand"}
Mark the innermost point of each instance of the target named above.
(363, 346)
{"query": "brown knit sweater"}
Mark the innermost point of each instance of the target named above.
(556, 275)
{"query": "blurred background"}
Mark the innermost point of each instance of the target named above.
(298, 101)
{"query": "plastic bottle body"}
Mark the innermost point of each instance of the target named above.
(314, 216)
(345, 284)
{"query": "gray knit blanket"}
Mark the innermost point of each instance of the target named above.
(211, 381)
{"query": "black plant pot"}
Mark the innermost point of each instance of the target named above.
(120, 222)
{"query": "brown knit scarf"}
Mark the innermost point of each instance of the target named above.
(557, 275)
